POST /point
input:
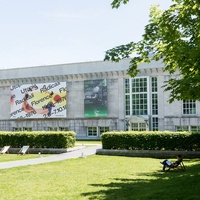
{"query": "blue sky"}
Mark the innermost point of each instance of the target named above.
(47, 32)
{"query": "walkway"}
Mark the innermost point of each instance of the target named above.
(73, 153)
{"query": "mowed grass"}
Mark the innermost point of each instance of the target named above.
(13, 157)
(100, 177)
(87, 142)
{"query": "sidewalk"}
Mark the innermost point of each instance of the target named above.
(72, 153)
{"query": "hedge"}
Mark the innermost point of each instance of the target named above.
(38, 139)
(151, 140)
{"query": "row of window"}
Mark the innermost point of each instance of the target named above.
(136, 91)
(141, 98)
(91, 131)
(188, 128)
(15, 129)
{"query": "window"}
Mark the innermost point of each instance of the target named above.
(92, 131)
(127, 99)
(27, 129)
(52, 128)
(195, 128)
(138, 126)
(63, 129)
(182, 128)
(16, 129)
(127, 86)
(155, 123)
(139, 96)
(103, 130)
(189, 107)
(139, 104)
(58, 129)
(136, 96)
(154, 104)
(154, 84)
(139, 85)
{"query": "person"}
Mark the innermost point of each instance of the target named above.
(49, 107)
(167, 163)
(26, 107)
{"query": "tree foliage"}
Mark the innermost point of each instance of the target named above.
(173, 35)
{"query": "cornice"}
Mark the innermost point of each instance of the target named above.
(63, 78)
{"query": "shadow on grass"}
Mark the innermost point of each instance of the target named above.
(158, 185)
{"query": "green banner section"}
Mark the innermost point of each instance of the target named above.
(95, 102)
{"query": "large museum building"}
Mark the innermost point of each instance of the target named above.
(90, 98)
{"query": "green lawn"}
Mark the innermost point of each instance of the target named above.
(100, 177)
(13, 157)
(87, 142)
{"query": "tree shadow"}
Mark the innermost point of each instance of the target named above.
(174, 184)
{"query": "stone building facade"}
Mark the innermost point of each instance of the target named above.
(99, 96)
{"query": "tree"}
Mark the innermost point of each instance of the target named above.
(173, 36)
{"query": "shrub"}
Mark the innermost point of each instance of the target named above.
(38, 139)
(151, 140)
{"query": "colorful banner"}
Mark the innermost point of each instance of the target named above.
(95, 102)
(38, 100)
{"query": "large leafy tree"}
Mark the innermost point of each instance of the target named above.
(173, 36)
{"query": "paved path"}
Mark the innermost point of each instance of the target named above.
(73, 153)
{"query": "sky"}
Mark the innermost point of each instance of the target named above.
(49, 32)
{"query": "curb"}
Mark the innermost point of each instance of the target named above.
(46, 150)
(149, 153)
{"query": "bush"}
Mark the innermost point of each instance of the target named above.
(38, 139)
(151, 140)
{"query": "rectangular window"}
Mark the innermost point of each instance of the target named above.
(195, 128)
(92, 131)
(139, 104)
(139, 85)
(155, 123)
(154, 84)
(58, 129)
(127, 99)
(182, 128)
(138, 126)
(189, 107)
(53, 128)
(16, 129)
(139, 96)
(27, 129)
(103, 129)
(63, 129)
(127, 86)
(154, 104)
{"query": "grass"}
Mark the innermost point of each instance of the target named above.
(87, 142)
(101, 177)
(13, 157)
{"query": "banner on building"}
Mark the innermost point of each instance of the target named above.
(40, 100)
(95, 102)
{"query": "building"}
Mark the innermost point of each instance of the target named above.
(90, 98)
